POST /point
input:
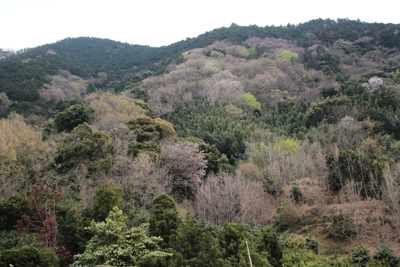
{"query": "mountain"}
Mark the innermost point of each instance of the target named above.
(248, 131)
(23, 75)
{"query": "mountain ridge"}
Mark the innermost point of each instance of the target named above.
(86, 57)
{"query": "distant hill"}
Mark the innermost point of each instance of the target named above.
(21, 76)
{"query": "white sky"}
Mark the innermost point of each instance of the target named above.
(30, 23)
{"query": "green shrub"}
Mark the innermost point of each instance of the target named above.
(116, 244)
(270, 243)
(69, 119)
(106, 197)
(164, 218)
(135, 147)
(296, 194)
(11, 210)
(343, 226)
(385, 255)
(323, 261)
(282, 238)
(83, 146)
(27, 256)
(141, 93)
(360, 256)
(287, 55)
(312, 245)
(296, 254)
(146, 129)
(287, 216)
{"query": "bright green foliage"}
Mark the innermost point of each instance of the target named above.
(146, 129)
(296, 254)
(167, 130)
(164, 218)
(116, 245)
(135, 147)
(334, 261)
(360, 256)
(84, 146)
(385, 255)
(287, 55)
(395, 76)
(194, 246)
(248, 101)
(290, 146)
(28, 256)
(106, 197)
(290, 242)
(253, 54)
(74, 116)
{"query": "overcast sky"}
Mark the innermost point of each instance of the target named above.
(31, 23)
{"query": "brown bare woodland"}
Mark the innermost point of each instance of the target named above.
(227, 198)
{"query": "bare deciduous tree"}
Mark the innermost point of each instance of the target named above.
(186, 165)
(142, 176)
(120, 137)
(4, 101)
(391, 192)
(227, 198)
(22, 151)
(282, 165)
(63, 86)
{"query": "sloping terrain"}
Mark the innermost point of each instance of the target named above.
(241, 134)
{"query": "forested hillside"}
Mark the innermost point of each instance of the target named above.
(124, 155)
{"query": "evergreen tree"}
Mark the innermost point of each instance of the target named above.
(71, 118)
(164, 218)
(194, 246)
(270, 244)
(116, 245)
(105, 199)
